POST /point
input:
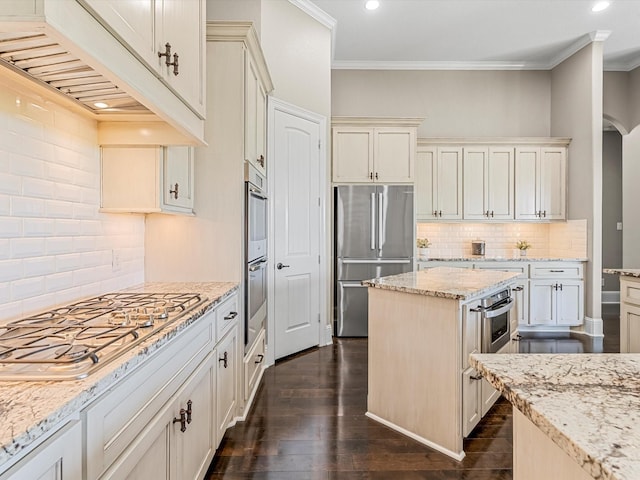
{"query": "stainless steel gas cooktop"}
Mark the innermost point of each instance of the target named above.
(72, 342)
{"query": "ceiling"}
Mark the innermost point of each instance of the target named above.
(479, 34)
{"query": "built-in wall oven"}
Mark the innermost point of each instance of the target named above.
(496, 324)
(255, 275)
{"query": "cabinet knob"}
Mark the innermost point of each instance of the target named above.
(166, 54)
(182, 420)
(435, 213)
(189, 411)
(371, 175)
(440, 213)
(376, 175)
(260, 358)
(260, 160)
(491, 213)
(476, 377)
(174, 192)
(224, 359)
(544, 213)
(231, 316)
(174, 64)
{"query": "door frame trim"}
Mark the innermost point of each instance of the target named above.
(273, 105)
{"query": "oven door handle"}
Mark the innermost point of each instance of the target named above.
(491, 313)
(257, 265)
(256, 193)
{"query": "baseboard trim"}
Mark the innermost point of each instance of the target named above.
(592, 327)
(417, 438)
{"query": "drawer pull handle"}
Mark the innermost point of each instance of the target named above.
(476, 377)
(517, 289)
(182, 420)
(224, 359)
(556, 271)
(260, 358)
(189, 411)
(231, 316)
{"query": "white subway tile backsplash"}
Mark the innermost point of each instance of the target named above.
(55, 247)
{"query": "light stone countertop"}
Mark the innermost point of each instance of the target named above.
(29, 409)
(484, 258)
(623, 272)
(445, 282)
(588, 404)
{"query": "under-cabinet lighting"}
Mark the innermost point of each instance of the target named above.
(371, 4)
(598, 7)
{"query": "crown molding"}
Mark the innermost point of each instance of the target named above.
(377, 121)
(316, 13)
(390, 65)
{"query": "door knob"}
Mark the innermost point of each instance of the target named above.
(280, 266)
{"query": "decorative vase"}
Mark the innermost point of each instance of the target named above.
(423, 254)
(523, 253)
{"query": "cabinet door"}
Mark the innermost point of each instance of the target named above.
(541, 302)
(352, 154)
(488, 394)
(527, 187)
(59, 457)
(570, 302)
(425, 184)
(475, 183)
(520, 312)
(449, 180)
(629, 328)
(500, 175)
(226, 382)
(133, 22)
(471, 335)
(394, 155)
(471, 410)
(254, 116)
(178, 178)
(196, 446)
(553, 167)
(181, 24)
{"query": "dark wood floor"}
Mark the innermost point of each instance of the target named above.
(308, 422)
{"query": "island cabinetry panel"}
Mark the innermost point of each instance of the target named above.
(629, 314)
(439, 183)
(488, 183)
(147, 179)
(540, 183)
(370, 150)
(147, 27)
(59, 457)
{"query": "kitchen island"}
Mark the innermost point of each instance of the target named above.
(575, 417)
(32, 412)
(422, 328)
(629, 308)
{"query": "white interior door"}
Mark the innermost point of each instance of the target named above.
(297, 216)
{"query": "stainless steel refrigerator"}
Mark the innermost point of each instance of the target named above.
(374, 238)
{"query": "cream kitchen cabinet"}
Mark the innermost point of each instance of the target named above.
(629, 314)
(147, 179)
(373, 150)
(556, 294)
(58, 457)
(154, 28)
(254, 366)
(439, 183)
(540, 183)
(488, 182)
(255, 114)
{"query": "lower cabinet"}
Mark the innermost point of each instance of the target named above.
(629, 315)
(254, 365)
(59, 457)
(227, 368)
(556, 302)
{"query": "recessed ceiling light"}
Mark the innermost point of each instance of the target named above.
(371, 4)
(100, 105)
(598, 7)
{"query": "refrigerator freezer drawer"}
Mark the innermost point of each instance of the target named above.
(348, 269)
(353, 310)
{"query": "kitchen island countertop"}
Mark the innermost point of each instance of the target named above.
(445, 282)
(30, 409)
(493, 258)
(588, 404)
(623, 272)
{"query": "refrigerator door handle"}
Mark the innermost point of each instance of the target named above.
(373, 221)
(374, 261)
(380, 221)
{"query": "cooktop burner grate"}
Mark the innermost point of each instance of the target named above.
(73, 341)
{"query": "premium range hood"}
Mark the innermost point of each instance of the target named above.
(41, 58)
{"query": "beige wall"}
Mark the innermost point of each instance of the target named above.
(634, 98)
(611, 206)
(236, 10)
(616, 100)
(298, 52)
(630, 199)
(454, 103)
(576, 112)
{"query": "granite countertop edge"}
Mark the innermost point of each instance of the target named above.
(480, 258)
(21, 425)
(562, 440)
(623, 272)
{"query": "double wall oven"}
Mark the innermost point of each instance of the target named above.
(255, 275)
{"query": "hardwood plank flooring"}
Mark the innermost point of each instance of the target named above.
(308, 422)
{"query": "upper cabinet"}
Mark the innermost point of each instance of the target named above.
(491, 179)
(239, 86)
(378, 150)
(147, 179)
(488, 183)
(541, 188)
(109, 56)
(438, 183)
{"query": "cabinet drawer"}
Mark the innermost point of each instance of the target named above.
(547, 270)
(505, 267)
(630, 292)
(226, 315)
(253, 364)
(115, 420)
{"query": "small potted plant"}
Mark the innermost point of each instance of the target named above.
(523, 246)
(423, 248)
